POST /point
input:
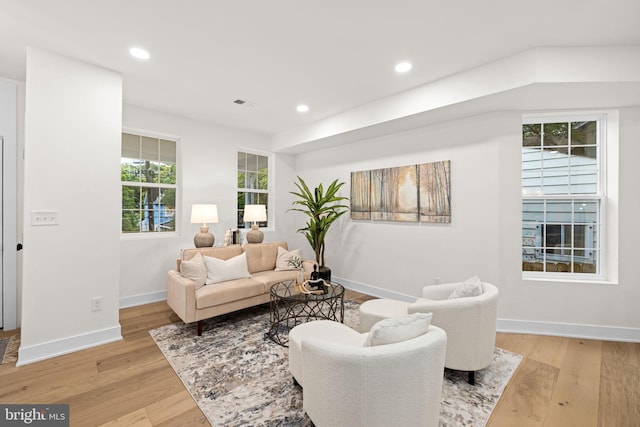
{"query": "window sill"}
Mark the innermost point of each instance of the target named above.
(570, 279)
(148, 236)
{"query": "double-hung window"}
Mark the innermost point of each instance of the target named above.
(254, 188)
(148, 172)
(563, 195)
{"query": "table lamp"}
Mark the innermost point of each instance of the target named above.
(255, 214)
(203, 214)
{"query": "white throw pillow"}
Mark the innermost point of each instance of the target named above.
(282, 261)
(219, 270)
(195, 270)
(397, 329)
(472, 287)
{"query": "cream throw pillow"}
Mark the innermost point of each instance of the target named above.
(283, 258)
(195, 270)
(472, 287)
(219, 270)
(397, 329)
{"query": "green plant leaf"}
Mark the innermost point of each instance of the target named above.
(322, 209)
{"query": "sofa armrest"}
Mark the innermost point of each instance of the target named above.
(181, 296)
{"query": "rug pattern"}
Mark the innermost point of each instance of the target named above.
(238, 376)
(9, 349)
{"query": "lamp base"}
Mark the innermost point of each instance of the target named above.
(255, 235)
(204, 239)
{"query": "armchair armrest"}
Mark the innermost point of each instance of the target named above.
(181, 296)
(439, 292)
(448, 307)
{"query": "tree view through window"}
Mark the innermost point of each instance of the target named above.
(148, 175)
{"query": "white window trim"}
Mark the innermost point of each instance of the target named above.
(608, 155)
(271, 220)
(165, 234)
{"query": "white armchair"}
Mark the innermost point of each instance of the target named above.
(346, 383)
(470, 322)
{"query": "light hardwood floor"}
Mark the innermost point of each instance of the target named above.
(560, 382)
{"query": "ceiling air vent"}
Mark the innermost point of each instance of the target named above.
(244, 102)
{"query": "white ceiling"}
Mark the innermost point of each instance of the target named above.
(333, 55)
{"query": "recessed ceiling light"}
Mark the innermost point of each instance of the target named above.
(139, 53)
(403, 67)
(302, 108)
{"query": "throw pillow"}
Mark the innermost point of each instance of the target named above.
(219, 270)
(195, 270)
(472, 287)
(397, 329)
(282, 261)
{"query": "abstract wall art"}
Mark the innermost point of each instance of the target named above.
(360, 195)
(416, 193)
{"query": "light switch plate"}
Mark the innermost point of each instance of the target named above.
(44, 217)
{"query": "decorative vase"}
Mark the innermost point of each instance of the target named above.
(325, 273)
(300, 277)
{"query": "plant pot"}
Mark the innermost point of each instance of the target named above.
(324, 273)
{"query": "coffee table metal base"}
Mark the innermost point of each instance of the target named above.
(289, 308)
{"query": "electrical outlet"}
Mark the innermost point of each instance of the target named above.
(437, 281)
(96, 304)
(44, 217)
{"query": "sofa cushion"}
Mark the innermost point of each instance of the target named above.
(195, 270)
(472, 287)
(397, 329)
(262, 256)
(270, 278)
(229, 291)
(219, 270)
(283, 258)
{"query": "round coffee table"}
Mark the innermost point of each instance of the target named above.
(291, 307)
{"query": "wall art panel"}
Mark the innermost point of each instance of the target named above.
(405, 194)
(434, 193)
(360, 195)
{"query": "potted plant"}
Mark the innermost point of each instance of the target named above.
(322, 209)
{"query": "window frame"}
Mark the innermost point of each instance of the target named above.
(177, 186)
(269, 191)
(601, 196)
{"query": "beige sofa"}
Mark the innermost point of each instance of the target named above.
(194, 303)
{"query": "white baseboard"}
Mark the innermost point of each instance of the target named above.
(36, 353)
(372, 290)
(605, 333)
(141, 299)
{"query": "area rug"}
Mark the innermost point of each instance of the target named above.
(239, 377)
(9, 349)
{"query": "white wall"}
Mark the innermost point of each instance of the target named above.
(403, 257)
(207, 156)
(72, 149)
(395, 259)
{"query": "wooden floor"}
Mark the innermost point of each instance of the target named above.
(560, 382)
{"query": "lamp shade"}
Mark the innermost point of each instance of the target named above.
(204, 214)
(255, 213)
